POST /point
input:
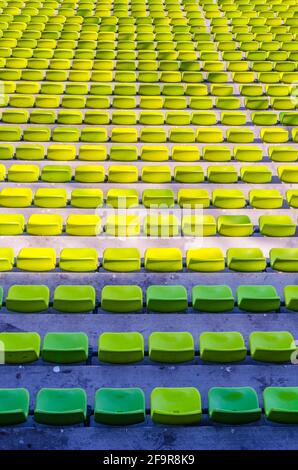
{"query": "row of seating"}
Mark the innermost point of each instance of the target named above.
(155, 259)
(151, 198)
(125, 406)
(167, 347)
(149, 118)
(149, 153)
(159, 298)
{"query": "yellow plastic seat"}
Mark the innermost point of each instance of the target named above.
(83, 225)
(36, 259)
(11, 224)
(50, 197)
(78, 259)
(16, 197)
(44, 224)
(163, 259)
(156, 174)
(123, 174)
(120, 225)
(90, 174)
(205, 259)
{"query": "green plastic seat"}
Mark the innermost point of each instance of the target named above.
(191, 198)
(154, 154)
(291, 297)
(122, 174)
(228, 198)
(222, 347)
(56, 173)
(90, 174)
(6, 262)
(172, 347)
(180, 406)
(216, 154)
(246, 259)
(122, 198)
(158, 198)
(92, 152)
(272, 346)
(284, 259)
(213, 299)
(222, 174)
(257, 298)
(28, 298)
(22, 173)
(14, 406)
(122, 298)
(60, 407)
(205, 259)
(281, 404)
(74, 299)
(166, 298)
(161, 225)
(277, 226)
(78, 259)
(65, 348)
(282, 153)
(265, 199)
(20, 348)
(234, 226)
(188, 174)
(121, 259)
(198, 225)
(233, 405)
(86, 198)
(50, 197)
(163, 259)
(250, 153)
(209, 135)
(121, 348)
(288, 174)
(119, 406)
(122, 225)
(125, 153)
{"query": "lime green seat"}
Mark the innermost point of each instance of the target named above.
(28, 298)
(250, 153)
(125, 153)
(154, 154)
(222, 174)
(78, 259)
(122, 198)
(292, 197)
(271, 346)
(281, 404)
(123, 174)
(20, 348)
(119, 406)
(216, 154)
(234, 226)
(92, 152)
(6, 151)
(11, 116)
(163, 259)
(74, 299)
(157, 198)
(274, 136)
(50, 197)
(188, 174)
(222, 347)
(284, 259)
(85, 225)
(156, 174)
(246, 259)
(191, 198)
(264, 119)
(86, 198)
(209, 135)
(242, 136)
(257, 298)
(22, 173)
(16, 197)
(277, 226)
(205, 259)
(36, 259)
(121, 348)
(265, 199)
(172, 347)
(179, 406)
(233, 405)
(214, 299)
(60, 407)
(121, 259)
(121, 298)
(65, 348)
(90, 174)
(56, 173)
(228, 198)
(11, 224)
(291, 297)
(198, 225)
(288, 174)
(166, 299)
(282, 153)
(14, 406)
(61, 152)
(45, 224)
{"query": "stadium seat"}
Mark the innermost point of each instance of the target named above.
(121, 259)
(193, 198)
(198, 225)
(282, 153)
(277, 226)
(212, 299)
(163, 259)
(291, 297)
(154, 154)
(284, 259)
(22, 173)
(265, 199)
(256, 174)
(122, 174)
(246, 259)
(288, 174)
(85, 225)
(185, 153)
(119, 299)
(60, 407)
(172, 347)
(125, 154)
(234, 226)
(222, 347)
(222, 174)
(122, 225)
(78, 259)
(121, 348)
(161, 225)
(50, 198)
(228, 198)
(56, 173)
(74, 299)
(44, 224)
(188, 174)
(257, 298)
(89, 174)
(20, 348)
(271, 346)
(166, 299)
(27, 298)
(86, 198)
(233, 405)
(180, 406)
(156, 174)
(65, 348)
(281, 404)
(14, 406)
(16, 197)
(119, 406)
(250, 153)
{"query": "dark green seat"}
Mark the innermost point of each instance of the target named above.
(166, 299)
(65, 348)
(119, 406)
(28, 298)
(74, 299)
(233, 405)
(122, 299)
(61, 406)
(171, 346)
(218, 298)
(281, 404)
(262, 298)
(272, 346)
(14, 406)
(219, 346)
(246, 259)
